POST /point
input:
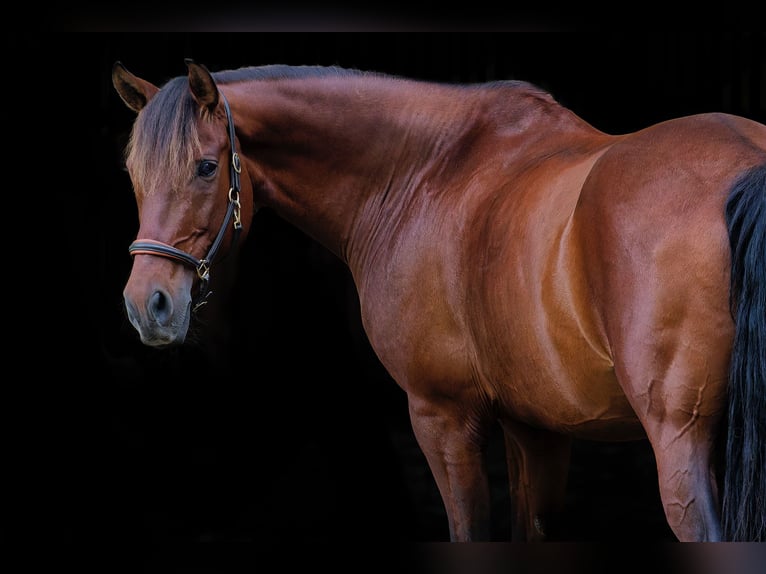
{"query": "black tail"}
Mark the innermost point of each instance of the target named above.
(744, 489)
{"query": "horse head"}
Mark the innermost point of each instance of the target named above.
(191, 194)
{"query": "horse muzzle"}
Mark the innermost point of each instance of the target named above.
(162, 320)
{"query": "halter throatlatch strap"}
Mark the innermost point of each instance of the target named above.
(202, 266)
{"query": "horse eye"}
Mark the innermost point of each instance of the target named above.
(206, 168)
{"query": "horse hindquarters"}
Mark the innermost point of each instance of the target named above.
(684, 454)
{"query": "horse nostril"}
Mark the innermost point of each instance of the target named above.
(160, 307)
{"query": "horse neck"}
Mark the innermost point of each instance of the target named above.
(328, 154)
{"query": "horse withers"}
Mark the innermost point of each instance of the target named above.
(514, 266)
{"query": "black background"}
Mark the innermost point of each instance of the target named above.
(290, 431)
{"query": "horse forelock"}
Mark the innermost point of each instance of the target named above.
(164, 142)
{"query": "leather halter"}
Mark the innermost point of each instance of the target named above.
(202, 266)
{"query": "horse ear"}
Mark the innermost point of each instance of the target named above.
(202, 85)
(134, 91)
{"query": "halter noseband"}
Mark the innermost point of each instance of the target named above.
(202, 266)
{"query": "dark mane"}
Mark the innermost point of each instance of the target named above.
(282, 72)
(288, 72)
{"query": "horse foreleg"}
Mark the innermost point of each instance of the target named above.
(538, 464)
(456, 453)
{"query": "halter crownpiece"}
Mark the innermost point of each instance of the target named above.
(202, 266)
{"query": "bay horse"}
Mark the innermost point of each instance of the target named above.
(514, 265)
